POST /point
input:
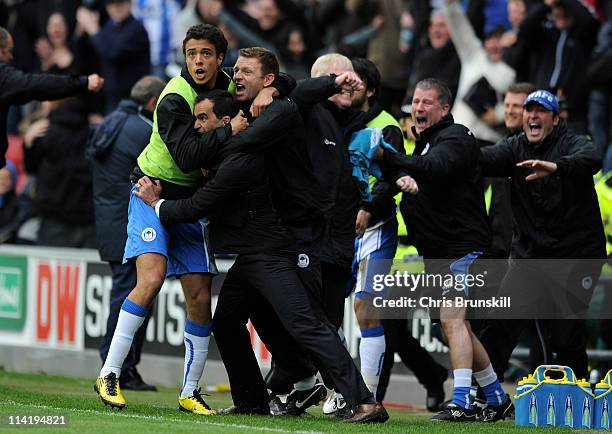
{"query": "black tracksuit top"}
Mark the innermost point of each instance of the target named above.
(237, 200)
(556, 216)
(447, 218)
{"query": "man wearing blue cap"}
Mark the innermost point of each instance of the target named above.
(558, 241)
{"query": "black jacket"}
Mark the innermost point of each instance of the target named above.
(17, 87)
(63, 175)
(124, 53)
(329, 132)
(114, 147)
(556, 216)
(447, 218)
(237, 200)
(544, 43)
(279, 134)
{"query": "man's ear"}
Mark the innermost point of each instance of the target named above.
(556, 119)
(268, 79)
(220, 58)
(150, 105)
(225, 120)
(370, 93)
(445, 109)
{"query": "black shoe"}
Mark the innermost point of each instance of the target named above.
(277, 407)
(299, 400)
(369, 413)
(435, 398)
(344, 413)
(455, 413)
(239, 409)
(493, 413)
(131, 380)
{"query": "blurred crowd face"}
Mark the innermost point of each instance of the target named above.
(6, 52)
(427, 109)
(206, 119)
(57, 30)
(494, 48)
(516, 12)
(296, 44)
(538, 122)
(202, 60)
(438, 31)
(562, 20)
(269, 15)
(119, 11)
(513, 110)
(249, 78)
(209, 9)
(6, 181)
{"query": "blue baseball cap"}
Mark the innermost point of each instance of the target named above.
(544, 98)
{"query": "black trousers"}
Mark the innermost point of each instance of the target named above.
(267, 287)
(335, 287)
(557, 295)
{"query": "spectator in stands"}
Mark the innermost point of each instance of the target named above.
(484, 78)
(53, 51)
(114, 148)
(514, 49)
(122, 46)
(19, 88)
(435, 57)
(600, 101)
(240, 29)
(157, 17)
(296, 55)
(63, 178)
(384, 51)
(559, 49)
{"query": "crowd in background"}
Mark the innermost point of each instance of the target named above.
(478, 47)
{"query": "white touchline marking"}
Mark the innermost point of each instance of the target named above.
(160, 418)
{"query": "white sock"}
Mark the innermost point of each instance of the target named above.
(462, 377)
(371, 354)
(131, 317)
(197, 337)
(306, 383)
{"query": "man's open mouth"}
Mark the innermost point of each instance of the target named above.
(535, 128)
(240, 87)
(421, 121)
(200, 73)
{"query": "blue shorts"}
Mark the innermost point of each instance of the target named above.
(185, 245)
(374, 253)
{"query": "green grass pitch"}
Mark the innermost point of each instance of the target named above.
(156, 412)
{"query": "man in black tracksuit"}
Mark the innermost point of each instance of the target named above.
(329, 130)
(449, 227)
(264, 281)
(557, 227)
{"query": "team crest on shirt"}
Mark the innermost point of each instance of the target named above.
(425, 150)
(303, 260)
(587, 282)
(148, 234)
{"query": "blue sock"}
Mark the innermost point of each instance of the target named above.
(487, 379)
(461, 390)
